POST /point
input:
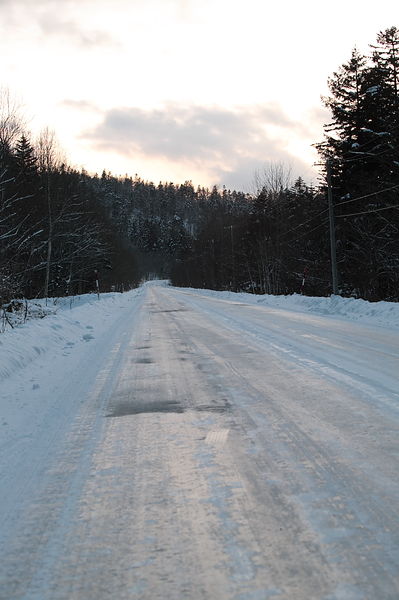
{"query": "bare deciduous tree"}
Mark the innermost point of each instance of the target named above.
(273, 178)
(12, 122)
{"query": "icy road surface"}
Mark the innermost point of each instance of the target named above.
(207, 449)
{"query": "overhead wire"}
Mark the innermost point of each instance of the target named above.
(367, 212)
(319, 214)
(367, 195)
(324, 222)
(340, 216)
(305, 222)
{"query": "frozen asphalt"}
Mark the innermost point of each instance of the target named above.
(212, 450)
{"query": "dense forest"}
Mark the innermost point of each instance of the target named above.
(62, 229)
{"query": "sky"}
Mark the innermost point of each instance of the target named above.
(211, 91)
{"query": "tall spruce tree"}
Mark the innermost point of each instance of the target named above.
(386, 71)
(345, 132)
(362, 143)
(27, 179)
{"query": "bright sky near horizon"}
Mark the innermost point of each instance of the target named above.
(175, 90)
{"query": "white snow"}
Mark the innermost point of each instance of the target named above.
(78, 319)
(47, 349)
(384, 314)
(74, 321)
(48, 364)
(70, 322)
(313, 387)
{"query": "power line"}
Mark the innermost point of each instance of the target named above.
(340, 204)
(326, 210)
(340, 216)
(368, 195)
(367, 212)
(305, 222)
(324, 222)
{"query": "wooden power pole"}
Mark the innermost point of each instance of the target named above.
(333, 248)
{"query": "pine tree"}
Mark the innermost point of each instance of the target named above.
(345, 134)
(362, 141)
(386, 58)
(386, 68)
(27, 174)
(25, 157)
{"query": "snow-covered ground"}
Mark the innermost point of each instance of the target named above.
(385, 314)
(71, 322)
(75, 326)
(179, 443)
(36, 356)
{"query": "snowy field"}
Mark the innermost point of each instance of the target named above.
(179, 443)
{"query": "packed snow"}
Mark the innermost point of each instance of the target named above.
(64, 330)
(169, 440)
(74, 321)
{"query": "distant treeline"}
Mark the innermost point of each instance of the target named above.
(59, 226)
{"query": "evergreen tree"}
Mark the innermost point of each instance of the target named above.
(345, 134)
(386, 71)
(362, 143)
(25, 159)
(386, 58)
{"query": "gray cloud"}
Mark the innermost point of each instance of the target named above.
(51, 24)
(193, 132)
(231, 144)
(81, 105)
(56, 19)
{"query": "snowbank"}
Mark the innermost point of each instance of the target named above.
(385, 314)
(69, 322)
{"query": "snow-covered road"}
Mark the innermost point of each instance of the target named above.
(204, 448)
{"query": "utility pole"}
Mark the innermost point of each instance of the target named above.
(233, 262)
(333, 248)
(233, 258)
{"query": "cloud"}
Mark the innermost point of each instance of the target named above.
(229, 143)
(52, 24)
(190, 132)
(80, 105)
(55, 21)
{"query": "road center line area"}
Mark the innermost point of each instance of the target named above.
(209, 449)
